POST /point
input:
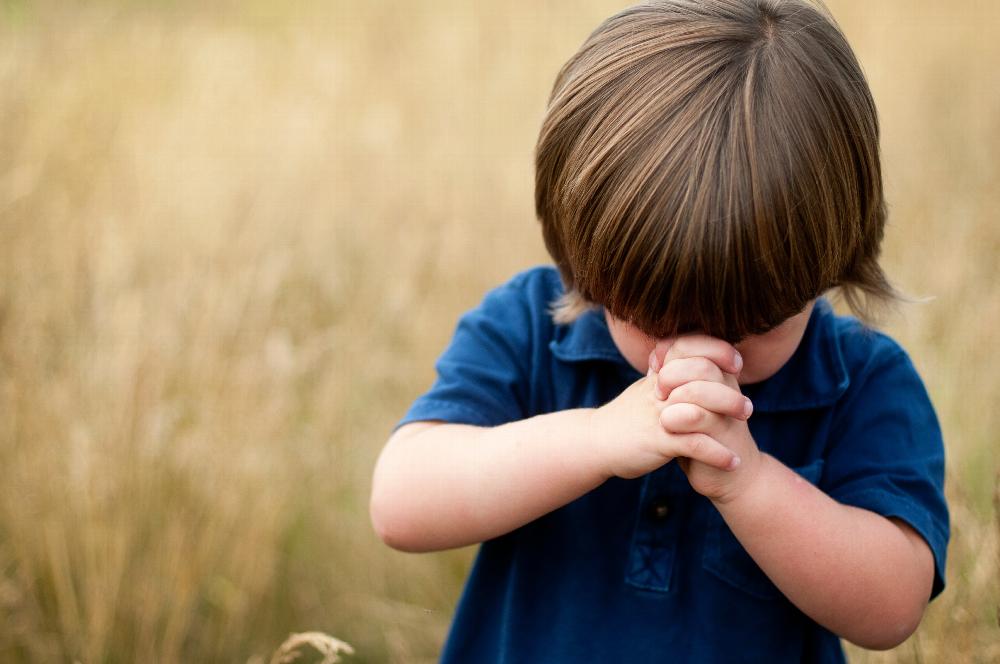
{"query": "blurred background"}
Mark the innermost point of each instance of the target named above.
(234, 237)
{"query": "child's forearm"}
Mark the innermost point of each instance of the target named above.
(857, 573)
(448, 485)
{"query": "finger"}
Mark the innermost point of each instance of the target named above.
(684, 370)
(716, 397)
(660, 350)
(704, 448)
(689, 418)
(725, 356)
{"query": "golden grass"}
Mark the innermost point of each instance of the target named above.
(235, 239)
(327, 646)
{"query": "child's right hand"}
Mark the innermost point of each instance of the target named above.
(630, 438)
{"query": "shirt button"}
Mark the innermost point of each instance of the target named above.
(659, 510)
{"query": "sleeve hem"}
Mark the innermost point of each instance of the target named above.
(447, 411)
(888, 504)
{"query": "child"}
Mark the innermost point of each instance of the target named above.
(706, 172)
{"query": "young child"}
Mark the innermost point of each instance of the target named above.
(706, 172)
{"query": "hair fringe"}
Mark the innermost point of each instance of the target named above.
(713, 166)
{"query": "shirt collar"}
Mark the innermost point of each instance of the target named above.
(586, 339)
(815, 376)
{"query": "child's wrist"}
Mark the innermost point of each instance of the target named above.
(749, 479)
(595, 441)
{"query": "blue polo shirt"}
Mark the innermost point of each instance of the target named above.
(646, 570)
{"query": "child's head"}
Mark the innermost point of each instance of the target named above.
(713, 166)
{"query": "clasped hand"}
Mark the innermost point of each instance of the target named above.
(688, 406)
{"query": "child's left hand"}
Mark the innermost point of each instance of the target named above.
(702, 398)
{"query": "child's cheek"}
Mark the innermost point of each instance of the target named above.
(634, 345)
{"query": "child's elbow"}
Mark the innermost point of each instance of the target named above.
(394, 507)
(894, 614)
(389, 523)
(395, 523)
(889, 628)
(390, 536)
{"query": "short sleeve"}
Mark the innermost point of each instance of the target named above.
(482, 376)
(887, 453)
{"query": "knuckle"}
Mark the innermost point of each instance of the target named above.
(691, 415)
(694, 444)
(692, 345)
(679, 347)
(682, 393)
(667, 373)
(667, 381)
(709, 370)
(665, 419)
(698, 390)
(686, 370)
(680, 416)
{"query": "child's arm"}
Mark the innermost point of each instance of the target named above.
(438, 486)
(862, 576)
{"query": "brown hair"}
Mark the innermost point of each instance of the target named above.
(712, 165)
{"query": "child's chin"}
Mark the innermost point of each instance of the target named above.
(749, 376)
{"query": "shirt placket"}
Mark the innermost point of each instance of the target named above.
(656, 533)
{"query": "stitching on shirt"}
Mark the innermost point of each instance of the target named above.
(871, 368)
(650, 556)
(476, 416)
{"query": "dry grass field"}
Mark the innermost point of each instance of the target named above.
(233, 238)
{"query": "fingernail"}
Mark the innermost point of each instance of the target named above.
(747, 407)
(654, 362)
(734, 464)
(738, 361)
